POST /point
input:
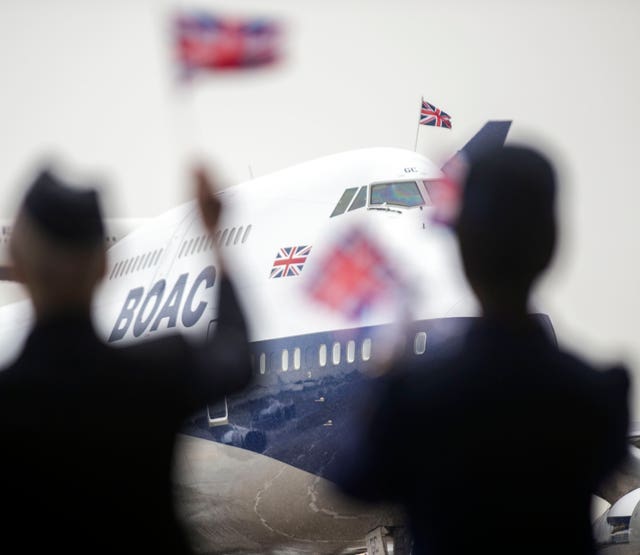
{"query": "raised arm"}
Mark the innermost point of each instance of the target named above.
(224, 360)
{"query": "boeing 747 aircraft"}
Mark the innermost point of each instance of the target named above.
(252, 473)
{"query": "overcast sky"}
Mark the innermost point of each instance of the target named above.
(90, 83)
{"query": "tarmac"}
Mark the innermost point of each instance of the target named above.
(234, 501)
(621, 549)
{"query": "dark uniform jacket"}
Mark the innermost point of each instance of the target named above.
(496, 446)
(87, 433)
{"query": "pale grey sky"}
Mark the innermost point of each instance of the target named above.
(90, 83)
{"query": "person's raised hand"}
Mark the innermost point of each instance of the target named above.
(209, 205)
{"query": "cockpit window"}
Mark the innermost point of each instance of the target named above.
(344, 201)
(401, 194)
(360, 200)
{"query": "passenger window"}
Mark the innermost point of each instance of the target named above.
(184, 244)
(366, 349)
(420, 343)
(335, 353)
(189, 245)
(296, 358)
(230, 239)
(285, 360)
(113, 271)
(224, 236)
(159, 255)
(193, 245)
(238, 235)
(322, 355)
(121, 268)
(210, 242)
(351, 351)
(217, 236)
(201, 242)
(263, 363)
(246, 233)
(399, 194)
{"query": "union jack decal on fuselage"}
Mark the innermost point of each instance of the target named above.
(290, 261)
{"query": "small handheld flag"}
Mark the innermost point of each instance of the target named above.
(353, 276)
(430, 115)
(205, 42)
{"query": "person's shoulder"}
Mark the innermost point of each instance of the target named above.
(614, 377)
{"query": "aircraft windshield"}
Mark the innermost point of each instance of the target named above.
(401, 194)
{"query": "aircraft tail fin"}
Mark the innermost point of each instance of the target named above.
(492, 135)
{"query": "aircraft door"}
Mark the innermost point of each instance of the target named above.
(218, 413)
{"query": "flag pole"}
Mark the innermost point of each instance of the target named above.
(415, 145)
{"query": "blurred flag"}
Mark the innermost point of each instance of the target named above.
(206, 42)
(446, 192)
(430, 115)
(353, 276)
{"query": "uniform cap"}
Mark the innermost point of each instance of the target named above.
(69, 215)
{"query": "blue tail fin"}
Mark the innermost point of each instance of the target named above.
(492, 135)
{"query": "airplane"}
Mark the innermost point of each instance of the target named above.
(252, 472)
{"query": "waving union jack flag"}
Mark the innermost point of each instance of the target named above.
(209, 42)
(290, 261)
(355, 275)
(430, 115)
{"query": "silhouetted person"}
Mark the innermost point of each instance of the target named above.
(499, 444)
(87, 431)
